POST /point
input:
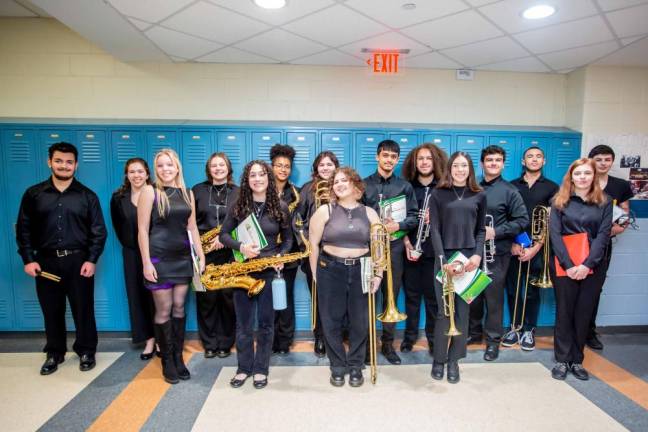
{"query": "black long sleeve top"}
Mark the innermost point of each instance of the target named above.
(457, 220)
(124, 219)
(213, 203)
(306, 206)
(577, 217)
(506, 206)
(271, 229)
(419, 191)
(540, 193)
(51, 220)
(393, 186)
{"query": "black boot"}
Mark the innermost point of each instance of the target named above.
(178, 345)
(164, 339)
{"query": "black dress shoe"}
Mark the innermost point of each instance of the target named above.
(355, 378)
(222, 353)
(559, 371)
(51, 364)
(320, 348)
(210, 353)
(594, 342)
(391, 355)
(474, 339)
(337, 379)
(406, 347)
(87, 362)
(453, 372)
(259, 384)
(146, 356)
(437, 370)
(236, 383)
(579, 371)
(491, 353)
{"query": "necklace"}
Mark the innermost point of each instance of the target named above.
(349, 213)
(217, 202)
(457, 195)
(258, 209)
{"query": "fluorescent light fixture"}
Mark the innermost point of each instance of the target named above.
(270, 4)
(539, 12)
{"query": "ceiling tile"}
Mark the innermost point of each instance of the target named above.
(392, 14)
(141, 25)
(149, 10)
(631, 55)
(331, 57)
(452, 31)
(9, 8)
(486, 52)
(527, 64)
(214, 23)
(431, 60)
(628, 41)
(567, 35)
(336, 26)
(233, 55)
(281, 45)
(387, 41)
(481, 2)
(296, 9)
(508, 13)
(177, 59)
(630, 22)
(577, 57)
(607, 5)
(179, 44)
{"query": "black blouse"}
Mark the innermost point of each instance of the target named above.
(212, 204)
(124, 219)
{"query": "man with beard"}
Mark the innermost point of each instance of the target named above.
(536, 190)
(620, 192)
(61, 231)
(396, 196)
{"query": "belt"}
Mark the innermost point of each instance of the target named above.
(60, 253)
(344, 261)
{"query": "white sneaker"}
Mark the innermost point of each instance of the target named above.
(511, 338)
(527, 343)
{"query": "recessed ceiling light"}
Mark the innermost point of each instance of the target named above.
(270, 4)
(409, 6)
(539, 12)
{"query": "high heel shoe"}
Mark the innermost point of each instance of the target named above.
(259, 384)
(146, 356)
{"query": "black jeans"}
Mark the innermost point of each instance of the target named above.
(341, 302)
(284, 320)
(397, 251)
(493, 299)
(250, 362)
(532, 291)
(317, 331)
(575, 302)
(140, 301)
(79, 291)
(604, 266)
(418, 285)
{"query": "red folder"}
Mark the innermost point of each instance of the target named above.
(578, 249)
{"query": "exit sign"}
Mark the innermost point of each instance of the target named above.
(384, 62)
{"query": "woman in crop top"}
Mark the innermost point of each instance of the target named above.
(341, 230)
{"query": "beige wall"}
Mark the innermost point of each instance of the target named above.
(48, 71)
(575, 99)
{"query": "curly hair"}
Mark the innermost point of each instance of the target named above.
(126, 186)
(439, 162)
(351, 175)
(244, 205)
(281, 150)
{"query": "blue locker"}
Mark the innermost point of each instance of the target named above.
(156, 141)
(512, 160)
(305, 144)
(262, 142)
(443, 141)
(338, 143)
(125, 144)
(196, 148)
(473, 145)
(564, 151)
(366, 144)
(407, 142)
(233, 144)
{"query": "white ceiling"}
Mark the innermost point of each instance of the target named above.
(478, 34)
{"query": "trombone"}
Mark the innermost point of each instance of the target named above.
(489, 248)
(321, 195)
(448, 295)
(540, 232)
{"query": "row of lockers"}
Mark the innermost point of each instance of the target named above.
(103, 151)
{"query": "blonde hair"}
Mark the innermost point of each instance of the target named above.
(162, 198)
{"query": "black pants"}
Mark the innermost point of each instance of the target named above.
(342, 303)
(317, 331)
(215, 312)
(575, 302)
(450, 348)
(284, 320)
(79, 291)
(493, 299)
(247, 309)
(141, 308)
(604, 266)
(397, 250)
(532, 291)
(418, 284)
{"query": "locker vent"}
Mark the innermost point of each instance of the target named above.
(4, 310)
(19, 152)
(234, 151)
(126, 150)
(32, 310)
(91, 152)
(195, 152)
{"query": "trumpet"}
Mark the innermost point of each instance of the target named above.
(208, 237)
(321, 194)
(423, 230)
(540, 232)
(489, 248)
(448, 295)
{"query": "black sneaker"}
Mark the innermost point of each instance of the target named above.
(355, 378)
(594, 342)
(491, 353)
(453, 372)
(390, 355)
(559, 371)
(527, 341)
(437, 370)
(579, 371)
(511, 338)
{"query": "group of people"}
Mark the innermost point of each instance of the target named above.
(436, 209)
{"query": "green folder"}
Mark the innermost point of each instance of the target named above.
(248, 229)
(470, 285)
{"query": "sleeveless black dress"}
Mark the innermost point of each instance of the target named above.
(169, 242)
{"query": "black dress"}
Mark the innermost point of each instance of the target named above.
(169, 242)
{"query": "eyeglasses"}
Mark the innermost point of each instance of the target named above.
(281, 166)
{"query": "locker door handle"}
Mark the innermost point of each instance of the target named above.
(502, 142)
(566, 142)
(534, 142)
(18, 135)
(231, 137)
(161, 137)
(54, 135)
(470, 141)
(436, 140)
(265, 138)
(90, 136)
(195, 137)
(370, 139)
(301, 138)
(404, 140)
(335, 139)
(125, 136)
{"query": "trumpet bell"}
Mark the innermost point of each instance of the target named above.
(391, 315)
(542, 282)
(453, 331)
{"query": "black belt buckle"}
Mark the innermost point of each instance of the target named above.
(62, 253)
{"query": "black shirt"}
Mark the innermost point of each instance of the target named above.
(377, 185)
(419, 191)
(50, 220)
(577, 217)
(212, 204)
(540, 193)
(458, 220)
(306, 206)
(124, 218)
(618, 189)
(509, 213)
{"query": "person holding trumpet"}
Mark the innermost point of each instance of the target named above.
(215, 309)
(342, 229)
(457, 223)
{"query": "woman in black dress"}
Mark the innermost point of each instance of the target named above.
(123, 210)
(165, 214)
(258, 196)
(215, 309)
(457, 223)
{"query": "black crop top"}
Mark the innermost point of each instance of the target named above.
(348, 228)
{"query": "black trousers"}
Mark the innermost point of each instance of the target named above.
(533, 292)
(247, 309)
(575, 302)
(604, 266)
(317, 331)
(493, 299)
(215, 313)
(342, 303)
(450, 348)
(141, 308)
(284, 320)
(418, 285)
(79, 291)
(397, 251)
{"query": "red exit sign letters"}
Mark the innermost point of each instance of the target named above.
(384, 62)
